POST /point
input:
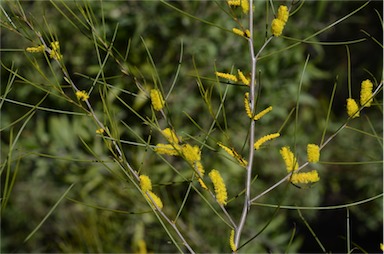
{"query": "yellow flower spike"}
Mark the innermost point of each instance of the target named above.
(100, 131)
(277, 27)
(226, 76)
(246, 105)
(37, 49)
(262, 113)
(264, 139)
(283, 13)
(232, 241)
(352, 108)
(238, 31)
(167, 149)
(220, 189)
(171, 136)
(150, 195)
(233, 2)
(82, 95)
(145, 183)
(289, 159)
(191, 153)
(245, 6)
(55, 51)
(366, 93)
(313, 153)
(234, 154)
(157, 99)
(227, 149)
(305, 177)
(243, 78)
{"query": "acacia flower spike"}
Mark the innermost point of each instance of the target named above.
(313, 153)
(228, 76)
(264, 139)
(38, 49)
(305, 177)
(262, 113)
(145, 183)
(232, 241)
(289, 159)
(243, 78)
(352, 108)
(220, 188)
(232, 152)
(366, 93)
(247, 106)
(157, 99)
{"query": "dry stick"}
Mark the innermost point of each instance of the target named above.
(254, 57)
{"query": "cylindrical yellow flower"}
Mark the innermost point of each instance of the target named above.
(234, 154)
(277, 27)
(366, 93)
(157, 99)
(247, 106)
(243, 78)
(352, 108)
(37, 49)
(245, 6)
(226, 76)
(289, 159)
(238, 31)
(155, 199)
(170, 135)
(145, 183)
(313, 153)
(167, 149)
(262, 113)
(283, 13)
(220, 189)
(55, 51)
(305, 177)
(233, 2)
(232, 241)
(264, 139)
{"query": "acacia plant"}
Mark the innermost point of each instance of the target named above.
(173, 150)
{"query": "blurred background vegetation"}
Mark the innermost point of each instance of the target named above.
(103, 212)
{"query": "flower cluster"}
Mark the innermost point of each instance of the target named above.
(82, 95)
(55, 51)
(234, 78)
(191, 154)
(219, 185)
(232, 152)
(366, 99)
(157, 99)
(249, 111)
(279, 22)
(146, 187)
(243, 3)
(313, 155)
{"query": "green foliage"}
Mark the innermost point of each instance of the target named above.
(67, 189)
